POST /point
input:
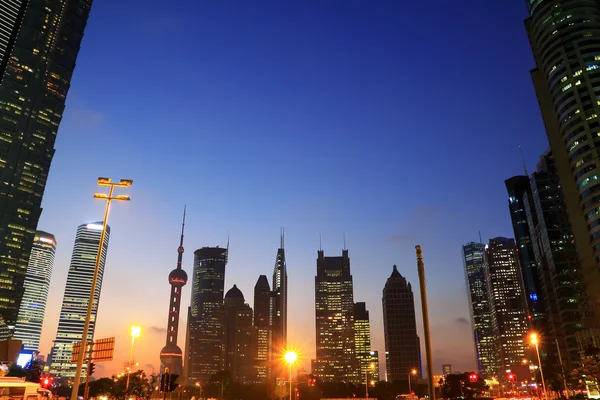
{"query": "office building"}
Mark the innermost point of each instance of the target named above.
(402, 345)
(558, 263)
(279, 306)
(76, 297)
(520, 199)
(374, 372)
(205, 337)
(171, 356)
(239, 352)
(507, 303)
(479, 309)
(567, 63)
(35, 295)
(262, 328)
(334, 311)
(446, 369)
(39, 43)
(362, 338)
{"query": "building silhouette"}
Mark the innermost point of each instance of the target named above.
(35, 295)
(239, 352)
(479, 309)
(279, 308)
(402, 346)
(334, 311)
(566, 66)
(76, 297)
(171, 356)
(362, 339)
(205, 337)
(39, 43)
(262, 328)
(507, 303)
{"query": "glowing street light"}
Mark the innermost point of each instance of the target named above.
(86, 326)
(135, 332)
(533, 339)
(290, 358)
(371, 367)
(412, 372)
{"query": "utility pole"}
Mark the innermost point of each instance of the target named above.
(423, 290)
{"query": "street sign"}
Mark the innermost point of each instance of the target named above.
(102, 350)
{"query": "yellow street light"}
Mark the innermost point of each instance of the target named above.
(412, 372)
(371, 366)
(533, 339)
(86, 326)
(290, 358)
(135, 332)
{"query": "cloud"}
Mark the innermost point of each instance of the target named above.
(401, 238)
(156, 329)
(151, 366)
(86, 117)
(461, 321)
(414, 222)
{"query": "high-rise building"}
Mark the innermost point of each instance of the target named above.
(558, 263)
(374, 372)
(262, 328)
(171, 356)
(279, 305)
(39, 41)
(334, 311)
(446, 369)
(362, 339)
(507, 302)
(239, 352)
(37, 284)
(567, 64)
(76, 297)
(519, 199)
(479, 308)
(402, 345)
(204, 341)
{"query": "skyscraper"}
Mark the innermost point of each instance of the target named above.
(262, 328)
(374, 372)
(507, 302)
(334, 311)
(479, 308)
(171, 355)
(239, 352)
(362, 339)
(279, 304)
(75, 300)
(205, 337)
(567, 64)
(403, 353)
(37, 284)
(38, 54)
(558, 262)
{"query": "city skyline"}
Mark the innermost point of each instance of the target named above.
(383, 226)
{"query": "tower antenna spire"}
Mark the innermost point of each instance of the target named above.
(345, 241)
(180, 249)
(523, 160)
(320, 243)
(182, 227)
(228, 240)
(480, 241)
(282, 236)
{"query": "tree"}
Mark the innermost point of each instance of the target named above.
(459, 385)
(101, 387)
(16, 370)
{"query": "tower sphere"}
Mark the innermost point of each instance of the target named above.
(178, 277)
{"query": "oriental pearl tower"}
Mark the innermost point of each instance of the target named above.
(171, 355)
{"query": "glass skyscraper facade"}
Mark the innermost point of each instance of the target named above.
(76, 297)
(479, 309)
(36, 74)
(262, 328)
(362, 339)
(35, 295)
(205, 347)
(507, 303)
(279, 305)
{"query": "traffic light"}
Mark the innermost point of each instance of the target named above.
(163, 380)
(312, 382)
(511, 377)
(473, 377)
(92, 369)
(46, 381)
(173, 382)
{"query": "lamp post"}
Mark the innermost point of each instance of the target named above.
(291, 357)
(412, 372)
(371, 366)
(86, 326)
(533, 338)
(135, 332)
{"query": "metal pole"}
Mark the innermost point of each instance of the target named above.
(86, 390)
(290, 381)
(423, 290)
(537, 350)
(562, 368)
(409, 388)
(130, 362)
(88, 315)
(367, 383)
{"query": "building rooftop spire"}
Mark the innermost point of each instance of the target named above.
(395, 273)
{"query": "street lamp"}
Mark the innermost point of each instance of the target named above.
(135, 332)
(86, 326)
(371, 366)
(533, 338)
(412, 372)
(291, 358)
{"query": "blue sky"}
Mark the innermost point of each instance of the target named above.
(392, 123)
